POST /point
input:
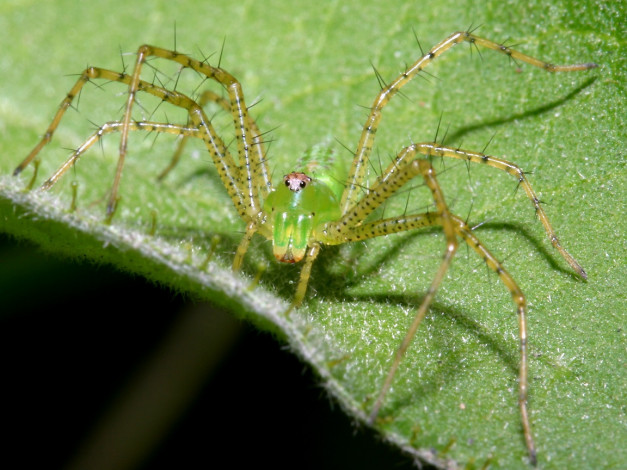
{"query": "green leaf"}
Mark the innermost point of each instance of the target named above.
(454, 399)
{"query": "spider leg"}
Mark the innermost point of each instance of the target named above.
(227, 167)
(209, 96)
(305, 273)
(357, 174)
(244, 182)
(116, 126)
(206, 97)
(253, 167)
(242, 248)
(521, 309)
(65, 104)
(404, 168)
(432, 149)
(351, 228)
(411, 222)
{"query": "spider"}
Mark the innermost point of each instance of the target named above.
(310, 209)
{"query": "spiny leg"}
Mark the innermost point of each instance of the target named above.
(252, 169)
(242, 248)
(65, 104)
(206, 97)
(398, 178)
(521, 309)
(411, 222)
(451, 249)
(305, 274)
(357, 174)
(209, 96)
(516, 171)
(227, 167)
(116, 126)
(405, 168)
(352, 228)
(244, 194)
(433, 149)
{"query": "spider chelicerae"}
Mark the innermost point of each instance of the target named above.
(311, 208)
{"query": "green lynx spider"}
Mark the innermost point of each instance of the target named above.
(308, 211)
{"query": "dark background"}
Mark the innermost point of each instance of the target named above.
(74, 335)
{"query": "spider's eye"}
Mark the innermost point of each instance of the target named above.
(296, 181)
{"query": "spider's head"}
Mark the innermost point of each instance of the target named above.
(297, 208)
